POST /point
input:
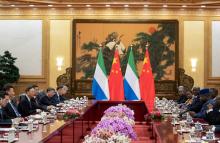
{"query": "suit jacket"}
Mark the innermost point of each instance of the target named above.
(8, 110)
(4, 120)
(26, 107)
(182, 99)
(217, 128)
(213, 117)
(202, 112)
(62, 98)
(40, 95)
(196, 106)
(45, 100)
(42, 107)
(56, 99)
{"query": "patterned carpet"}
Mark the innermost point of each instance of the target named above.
(143, 135)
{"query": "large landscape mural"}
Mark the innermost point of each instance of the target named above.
(159, 36)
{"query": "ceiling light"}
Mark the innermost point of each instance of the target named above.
(13, 5)
(126, 5)
(50, 5)
(165, 5)
(203, 6)
(145, 5)
(107, 5)
(69, 5)
(31, 5)
(184, 5)
(88, 5)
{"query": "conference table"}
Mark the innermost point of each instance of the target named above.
(165, 132)
(74, 130)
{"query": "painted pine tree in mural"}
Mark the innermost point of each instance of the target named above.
(159, 39)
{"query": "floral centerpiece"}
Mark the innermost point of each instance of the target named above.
(93, 139)
(115, 126)
(125, 119)
(71, 113)
(115, 138)
(118, 138)
(157, 116)
(121, 111)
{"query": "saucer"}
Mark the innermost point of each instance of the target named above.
(205, 139)
(184, 131)
(193, 141)
(6, 139)
(176, 123)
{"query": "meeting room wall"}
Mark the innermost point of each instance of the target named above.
(198, 38)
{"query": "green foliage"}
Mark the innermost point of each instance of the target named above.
(108, 56)
(86, 63)
(161, 55)
(9, 73)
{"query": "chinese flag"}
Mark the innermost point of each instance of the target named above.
(147, 83)
(116, 88)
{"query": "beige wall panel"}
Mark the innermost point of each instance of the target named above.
(215, 48)
(194, 48)
(60, 46)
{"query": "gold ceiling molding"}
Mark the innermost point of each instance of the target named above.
(113, 3)
(106, 12)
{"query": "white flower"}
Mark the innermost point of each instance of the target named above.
(118, 138)
(93, 139)
(111, 45)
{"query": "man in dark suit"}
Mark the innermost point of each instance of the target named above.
(59, 95)
(4, 119)
(216, 128)
(205, 99)
(37, 98)
(182, 93)
(213, 112)
(197, 103)
(46, 98)
(213, 115)
(27, 105)
(11, 108)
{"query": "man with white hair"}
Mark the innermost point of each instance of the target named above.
(182, 95)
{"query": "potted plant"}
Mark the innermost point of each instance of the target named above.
(9, 73)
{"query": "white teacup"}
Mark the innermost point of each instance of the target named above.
(210, 135)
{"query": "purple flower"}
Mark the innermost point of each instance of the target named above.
(121, 110)
(116, 125)
(116, 122)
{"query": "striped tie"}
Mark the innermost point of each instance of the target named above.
(15, 110)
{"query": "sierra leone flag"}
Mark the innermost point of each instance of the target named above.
(131, 82)
(100, 87)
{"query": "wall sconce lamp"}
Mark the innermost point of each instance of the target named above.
(59, 63)
(194, 64)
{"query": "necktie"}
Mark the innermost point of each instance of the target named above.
(15, 110)
(1, 115)
(58, 97)
(30, 103)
